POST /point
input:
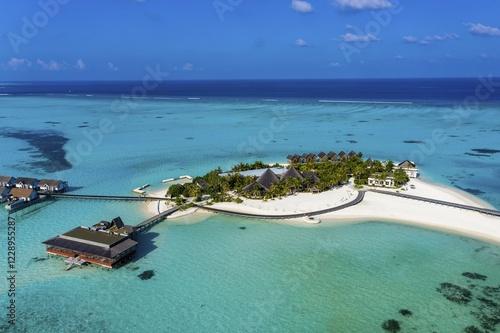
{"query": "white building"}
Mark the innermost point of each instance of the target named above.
(377, 180)
(409, 167)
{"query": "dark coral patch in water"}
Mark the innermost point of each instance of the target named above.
(47, 144)
(243, 228)
(405, 312)
(493, 292)
(472, 329)
(455, 293)
(413, 141)
(146, 275)
(391, 325)
(475, 276)
(486, 151)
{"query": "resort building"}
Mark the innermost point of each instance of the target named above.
(264, 182)
(409, 167)
(7, 181)
(52, 185)
(23, 194)
(291, 173)
(106, 243)
(377, 180)
(24, 182)
(4, 194)
(201, 183)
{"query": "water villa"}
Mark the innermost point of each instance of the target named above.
(321, 157)
(7, 181)
(52, 185)
(106, 243)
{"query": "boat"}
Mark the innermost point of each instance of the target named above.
(311, 219)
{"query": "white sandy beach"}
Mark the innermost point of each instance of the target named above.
(376, 206)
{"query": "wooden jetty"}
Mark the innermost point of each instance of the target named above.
(141, 227)
(105, 197)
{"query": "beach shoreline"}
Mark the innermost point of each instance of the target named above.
(374, 207)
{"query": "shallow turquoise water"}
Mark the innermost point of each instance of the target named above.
(212, 276)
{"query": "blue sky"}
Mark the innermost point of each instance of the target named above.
(248, 39)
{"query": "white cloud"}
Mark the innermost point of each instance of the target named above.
(301, 43)
(112, 67)
(302, 6)
(352, 38)
(48, 66)
(410, 39)
(363, 4)
(428, 39)
(398, 57)
(335, 64)
(188, 66)
(484, 56)
(479, 29)
(16, 63)
(80, 64)
(439, 38)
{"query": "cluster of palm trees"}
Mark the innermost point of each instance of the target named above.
(319, 175)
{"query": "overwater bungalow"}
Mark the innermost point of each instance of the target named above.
(7, 181)
(22, 194)
(52, 185)
(4, 194)
(24, 182)
(107, 244)
(343, 155)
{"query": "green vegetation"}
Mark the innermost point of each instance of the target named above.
(318, 176)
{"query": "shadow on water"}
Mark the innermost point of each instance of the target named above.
(146, 245)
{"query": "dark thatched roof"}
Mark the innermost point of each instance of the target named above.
(267, 179)
(291, 173)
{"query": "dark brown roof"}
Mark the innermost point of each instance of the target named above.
(49, 182)
(91, 249)
(291, 173)
(21, 192)
(24, 180)
(311, 175)
(352, 153)
(251, 187)
(98, 238)
(202, 183)
(6, 179)
(407, 164)
(267, 179)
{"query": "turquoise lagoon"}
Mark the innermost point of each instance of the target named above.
(210, 274)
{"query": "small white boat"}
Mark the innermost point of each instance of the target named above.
(138, 191)
(312, 219)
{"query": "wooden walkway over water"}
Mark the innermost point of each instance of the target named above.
(105, 197)
(155, 219)
(487, 211)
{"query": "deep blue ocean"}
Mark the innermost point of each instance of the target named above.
(217, 273)
(415, 90)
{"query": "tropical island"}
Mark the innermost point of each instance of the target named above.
(323, 185)
(305, 173)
